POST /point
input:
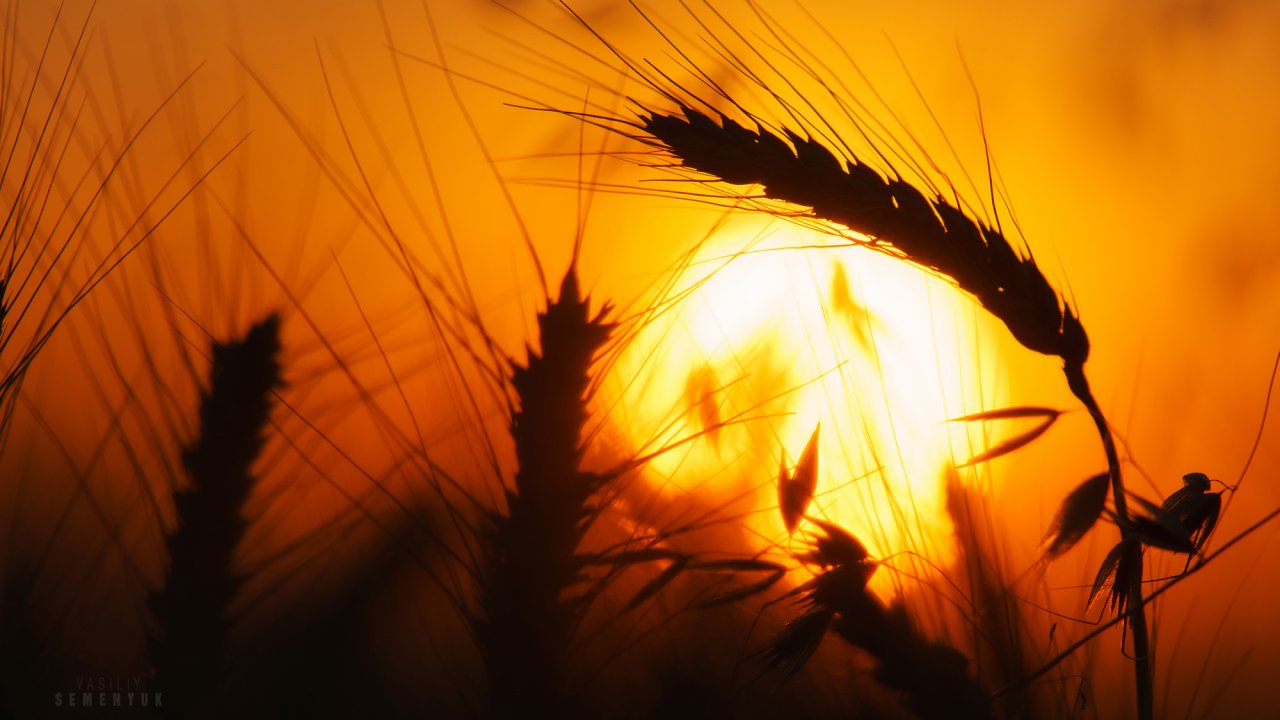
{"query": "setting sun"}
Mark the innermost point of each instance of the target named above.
(744, 358)
(767, 337)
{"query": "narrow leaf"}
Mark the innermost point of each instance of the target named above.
(740, 565)
(1012, 413)
(629, 557)
(1048, 415)
(795, 492)
(663, 579)
(743, 592)
(1079, 511)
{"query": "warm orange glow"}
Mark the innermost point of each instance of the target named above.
(776, 335)
(1128, 143)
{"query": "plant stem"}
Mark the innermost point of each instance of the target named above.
(1142, 659)
(1105, 626)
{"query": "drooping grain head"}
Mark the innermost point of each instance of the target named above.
(928, 231)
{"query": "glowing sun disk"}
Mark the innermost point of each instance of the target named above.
(770, 342)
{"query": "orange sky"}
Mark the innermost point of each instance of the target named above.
(1133, 140)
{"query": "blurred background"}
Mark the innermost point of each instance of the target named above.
(332, 145)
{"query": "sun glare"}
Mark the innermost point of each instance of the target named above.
(771, 338)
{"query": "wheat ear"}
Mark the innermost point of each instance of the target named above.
(928, 231)
(189, 645)
(527, 624)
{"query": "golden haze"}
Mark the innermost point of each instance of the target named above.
(1132, 144)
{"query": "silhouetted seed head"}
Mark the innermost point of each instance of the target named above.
(1078, 513)
(1117, 576)
(795, 490)
(526, 625)
(934, 677)
(927, 231)
(192, 627)
(835, 547)
(797, 642)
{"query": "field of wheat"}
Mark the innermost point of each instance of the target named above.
(741, 358)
